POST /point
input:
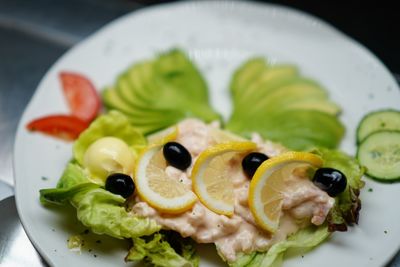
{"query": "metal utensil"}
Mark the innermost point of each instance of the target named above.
(5, 190)
(15, 248)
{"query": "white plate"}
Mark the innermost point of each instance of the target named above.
(218, 36)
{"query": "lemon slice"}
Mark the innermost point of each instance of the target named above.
(222, 136)
(164, 136)
(210, 181)
(268, 186)
(158, 189)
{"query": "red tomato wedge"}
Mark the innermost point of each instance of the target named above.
(81, 95)
(61, 126)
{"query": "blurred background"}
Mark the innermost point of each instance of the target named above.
(33, 34)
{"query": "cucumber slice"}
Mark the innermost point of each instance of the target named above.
(380, 153)
(377, 121)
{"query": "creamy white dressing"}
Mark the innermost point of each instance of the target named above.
(303, 203)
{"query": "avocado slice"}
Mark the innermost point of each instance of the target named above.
(246, 73)
(271, 79)
(325, 106)
(296, 129)
(141, 116)
(298, 90)
(157, 93)
(284, 107)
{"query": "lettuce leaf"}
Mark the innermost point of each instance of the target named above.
(113, 124)
(72, 175)
(164, 249)
(62, 196)
(73, 181)
(98, 209)
(347, 204)
(104, 213)
(303, 240)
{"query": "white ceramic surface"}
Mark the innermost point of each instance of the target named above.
(217, 36)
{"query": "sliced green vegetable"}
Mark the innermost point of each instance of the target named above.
(158, 93)
(316, 104)
(298, 90)
(283, 106)
(296, 129)
(164, 249)
(379, 152)
(246, 74)
(113, 124)
(270, 80)
(388, 119)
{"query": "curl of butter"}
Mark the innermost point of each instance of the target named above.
(108, 155)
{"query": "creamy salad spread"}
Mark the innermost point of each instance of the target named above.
(303, 202)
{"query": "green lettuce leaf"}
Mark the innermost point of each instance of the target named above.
(98, 209)
(73, 181)
(113, 124)
(72, 175)
(347, 204)
(164, 249)
(303, 240)
(104, 213)
(62, 196)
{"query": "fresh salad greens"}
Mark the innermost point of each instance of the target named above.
(275, 101)
(283, 106)
(165, 248)
(303, 240)
(98, 209)
(105, 213)
(347, 204)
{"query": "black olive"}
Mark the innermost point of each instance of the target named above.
(330, 180)
(252, 161)
(177, 155)
(120, 184)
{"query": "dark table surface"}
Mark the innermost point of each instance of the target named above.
(34, 34)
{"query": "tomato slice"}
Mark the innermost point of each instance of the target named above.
(61, 126)
(81, 95)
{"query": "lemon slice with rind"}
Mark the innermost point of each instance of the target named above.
(163, 136)
(222, 136)
(268, 185)
(210, 181)
(154, 186)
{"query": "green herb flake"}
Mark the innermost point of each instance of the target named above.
(75, 243)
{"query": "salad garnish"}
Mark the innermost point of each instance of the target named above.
(378, 140)
(84, 103)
